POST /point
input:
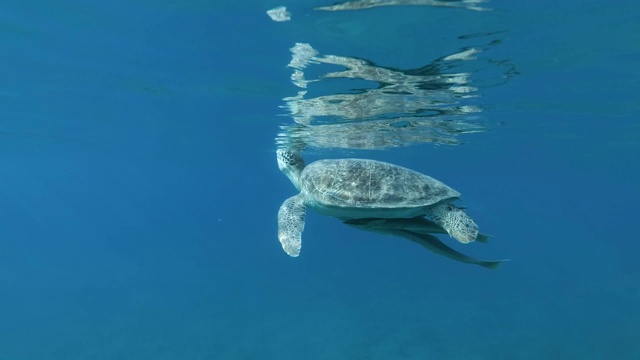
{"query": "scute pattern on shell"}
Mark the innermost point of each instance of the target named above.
(371, 184)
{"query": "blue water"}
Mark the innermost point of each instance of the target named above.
(139, 187)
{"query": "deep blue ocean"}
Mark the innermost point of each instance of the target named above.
(139, 188)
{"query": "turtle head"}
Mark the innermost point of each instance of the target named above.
(291, 164)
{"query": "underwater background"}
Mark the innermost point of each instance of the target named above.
(139, 187)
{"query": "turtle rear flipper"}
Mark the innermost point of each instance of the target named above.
(457, 223)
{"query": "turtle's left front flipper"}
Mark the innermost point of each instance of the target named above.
(291, 218)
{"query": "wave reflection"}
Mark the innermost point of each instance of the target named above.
(388, 108)
(367, 4)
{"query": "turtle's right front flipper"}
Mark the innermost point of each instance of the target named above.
(416, 224)
(291, 224)
(419, 231)
(435, 245)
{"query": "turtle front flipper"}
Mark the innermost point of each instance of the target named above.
(435, 245)
(458, 224)
(291, 224)
(418, 225)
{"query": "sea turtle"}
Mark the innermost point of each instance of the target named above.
(361, 188)
(420, 230)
